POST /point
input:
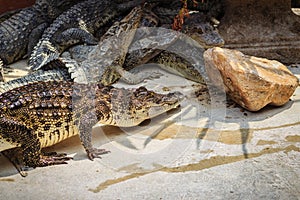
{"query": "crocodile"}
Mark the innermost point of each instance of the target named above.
(42, 114)
(194, 30)
(90, 57)
(59, 69)
(76, 25)
(24, 27)
(103, 62)
(139, 16)
(196, 26)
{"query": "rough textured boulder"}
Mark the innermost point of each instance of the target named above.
(250, 81)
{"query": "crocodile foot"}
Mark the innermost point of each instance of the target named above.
(53, 158)
(95, 153)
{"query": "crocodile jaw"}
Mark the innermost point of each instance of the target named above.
(147, 107)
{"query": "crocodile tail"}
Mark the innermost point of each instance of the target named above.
(56, 74)
(43, 53)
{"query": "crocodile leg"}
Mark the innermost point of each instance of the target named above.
(87, 122)
(28, 147)
(85, 117)
(16, 157)
(53, 158)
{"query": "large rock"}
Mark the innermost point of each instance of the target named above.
(250, 81)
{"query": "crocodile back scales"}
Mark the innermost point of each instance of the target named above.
(16, 29)
(87, 16)
(14, 33)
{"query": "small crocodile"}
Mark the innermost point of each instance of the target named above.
(196, 26)
(42, 114)
(78, 24)
(94, 61)
(103, 62)
(23, 28)
(200, 33)
(139, 16)
(58, 69)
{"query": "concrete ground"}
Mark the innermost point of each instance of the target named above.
(209, 148)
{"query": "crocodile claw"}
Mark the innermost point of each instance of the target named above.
(53, 158)
(95, 153)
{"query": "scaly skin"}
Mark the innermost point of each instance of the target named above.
(94, 62)
(8, 14)
(57, 70)
(76, 25)
(197, 25)
(42, 114)
(138, 17)
(56, 74)
(103, 62)
(15, 32)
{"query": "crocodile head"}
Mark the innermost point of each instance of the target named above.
(131, 107)
(148, 104)
(202, 31)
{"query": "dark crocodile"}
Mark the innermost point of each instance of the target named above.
(42, 114)
(212, 8)
(93, 62)
(86, 65)
(78, 24)
(59, 69)
(196, 29)
(103, 62)
(24, 27)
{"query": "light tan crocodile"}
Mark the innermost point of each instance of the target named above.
(42, 114)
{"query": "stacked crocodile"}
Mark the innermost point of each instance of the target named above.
(22, 29)
(44, 113)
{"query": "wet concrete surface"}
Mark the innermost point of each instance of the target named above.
(209, 148)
